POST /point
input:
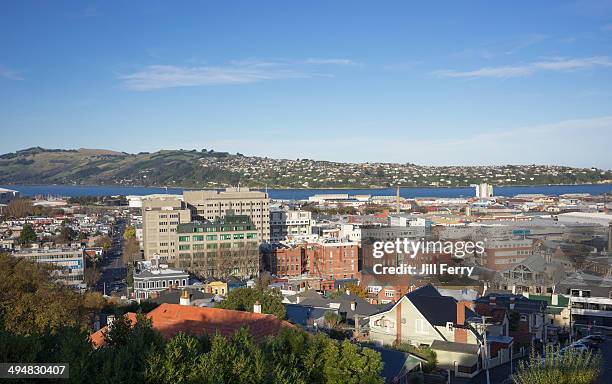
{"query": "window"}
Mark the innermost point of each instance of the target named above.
(183, 238)
(211, 237)
(389, 293)
(198, 238)
(184, 247)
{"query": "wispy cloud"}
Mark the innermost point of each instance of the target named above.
(319, 61)
(236, 72)
(9, 74)
(522, 70)
(526, 42)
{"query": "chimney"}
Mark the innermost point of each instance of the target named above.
(185, 298)
(461, 333)
(257, 307)
(353, 306)
(554, 300)
(109, 320)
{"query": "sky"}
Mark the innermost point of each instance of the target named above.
(435, 83)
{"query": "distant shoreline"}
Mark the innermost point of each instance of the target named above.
(303, 189)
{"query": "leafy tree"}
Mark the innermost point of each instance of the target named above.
(130, 233)
(66, 235)
(30, 302)
(27, 235)
(243, 299)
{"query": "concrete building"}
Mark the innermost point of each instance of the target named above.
(210, 205)
(483, 191)
(160, 218)
(148, 281)
(227, 246)
(501, 254)
(289, 224)
(8, 195)
(69, 260)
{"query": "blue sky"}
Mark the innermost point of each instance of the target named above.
(438, 83)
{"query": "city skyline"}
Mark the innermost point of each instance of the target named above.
(346, 82)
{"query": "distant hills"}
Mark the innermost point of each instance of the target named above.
(211, 169)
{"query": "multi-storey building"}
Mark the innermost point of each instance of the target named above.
(289, 224)
(160, 218)
(157, 280)
(333, 259)
(69, 261)
(227, 246)
(501, 254)
(210, 205)
(288, 261)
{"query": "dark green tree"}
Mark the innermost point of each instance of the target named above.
(27, 235)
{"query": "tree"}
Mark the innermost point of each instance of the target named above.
(243, 299)
(103, 242)
(131, 250)
(332, 319)
(30, 302)
(27, 235)
(130, 233)
(19, 208)
(570, 367)
(66, 235)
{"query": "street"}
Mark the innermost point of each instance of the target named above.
(114, 273)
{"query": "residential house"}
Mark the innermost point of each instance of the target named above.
(425, 317)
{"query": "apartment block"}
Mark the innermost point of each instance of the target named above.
(333, 259)
(227, 246)
(288, 261)
(289, 224)
(211, 205)
(160, 218)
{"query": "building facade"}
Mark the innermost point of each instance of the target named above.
(160, 218)
(69, 261)
(289, 224)
(152, 280)
(227, 246)
(211, 205)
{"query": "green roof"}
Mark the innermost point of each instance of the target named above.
(563, 301)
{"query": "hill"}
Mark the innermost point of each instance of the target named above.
(211, 169)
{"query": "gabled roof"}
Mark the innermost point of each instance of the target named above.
(437, 309)
(171, 319)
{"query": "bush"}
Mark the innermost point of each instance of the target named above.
(571, 367)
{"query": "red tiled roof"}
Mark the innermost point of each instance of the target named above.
(97, 338)
(170, 319)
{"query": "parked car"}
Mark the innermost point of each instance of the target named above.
(595, 338)
(577, 346)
